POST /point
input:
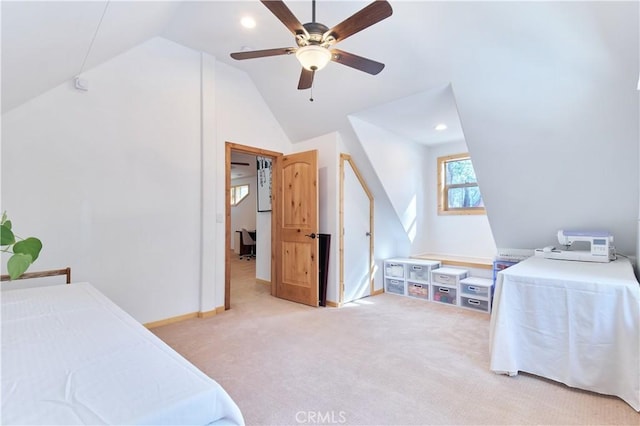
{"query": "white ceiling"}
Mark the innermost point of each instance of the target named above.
(425, 45)
(247, 166)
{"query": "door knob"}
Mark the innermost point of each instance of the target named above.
(368, 234)
(312, 236)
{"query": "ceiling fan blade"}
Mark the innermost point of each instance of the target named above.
(282, 12)
(262, 53)
(369, 15)
(306, 79)
(354, 61)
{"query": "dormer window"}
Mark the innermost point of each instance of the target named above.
(458, 190)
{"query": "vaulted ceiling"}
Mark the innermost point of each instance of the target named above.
(425, 45)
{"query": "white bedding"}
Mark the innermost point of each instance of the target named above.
(71, 356)
(574, 322)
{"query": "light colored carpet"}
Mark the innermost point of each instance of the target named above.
(385, 360)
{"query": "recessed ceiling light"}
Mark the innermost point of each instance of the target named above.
(440, 127)
(248, 22)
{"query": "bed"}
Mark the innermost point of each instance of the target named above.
(71, 356)
(573, 322)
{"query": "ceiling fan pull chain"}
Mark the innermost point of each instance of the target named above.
(311, 86)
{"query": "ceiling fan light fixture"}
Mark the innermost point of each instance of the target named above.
(313, 57)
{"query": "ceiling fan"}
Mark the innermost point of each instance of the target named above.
(315, 40)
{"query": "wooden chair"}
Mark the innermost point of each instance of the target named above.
(41, 274)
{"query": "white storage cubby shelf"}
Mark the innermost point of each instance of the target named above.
(476, 293)
(445, 283)
(409, 277)
(427, 280)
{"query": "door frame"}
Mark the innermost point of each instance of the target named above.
(347, 158)
(245, 149)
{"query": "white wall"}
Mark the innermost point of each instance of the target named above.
(125, 182)
(460, 235)
(263, 246)
(109, 179)
(400, 165)
(541, 177)
(562, 155)
(242, 117)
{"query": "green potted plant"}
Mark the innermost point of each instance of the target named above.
(23, 251)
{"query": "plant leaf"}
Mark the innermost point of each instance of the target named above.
(7, 223)
(6, 235)
(4, 217)
(17, 264)
(30, 246)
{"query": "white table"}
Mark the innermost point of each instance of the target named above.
(573, 322)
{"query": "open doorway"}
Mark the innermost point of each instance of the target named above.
(243, 203)
(241, 169)
(286, 237)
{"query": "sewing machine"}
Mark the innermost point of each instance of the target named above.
(600, 242)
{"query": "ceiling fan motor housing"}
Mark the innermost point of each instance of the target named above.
(316, 32)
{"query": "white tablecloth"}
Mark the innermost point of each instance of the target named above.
(574, 322)
(71, 356)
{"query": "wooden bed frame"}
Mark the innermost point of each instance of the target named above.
(41, 274)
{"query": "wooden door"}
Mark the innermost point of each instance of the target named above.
(296, 253)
